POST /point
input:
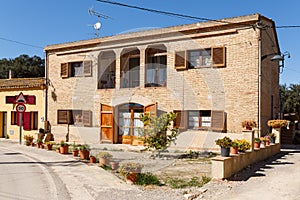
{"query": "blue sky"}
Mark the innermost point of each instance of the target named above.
(41, 23)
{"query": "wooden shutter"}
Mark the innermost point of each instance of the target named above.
(151, 109)
(106, 123)
(219, 56)
(64, 116)
(27, 121)
(87, 118)
(181, 119)
(34, 121)
(218, 120)
(87, 68)
(180, 60)
(64, 70)
(13, 118)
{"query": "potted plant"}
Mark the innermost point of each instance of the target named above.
(84, 151)
(39, 142)
(49, 145)
(249, 124)
(262, 142)
(93, 159)
(267, 140)
(234, 147)
(272, 137)
(114, 165)
(75, 149)
(277, 123)
(130, 170)
(64, 147)
(104, 158)
(225, 144)
(244, 145)
(257, 143)
(28, 140)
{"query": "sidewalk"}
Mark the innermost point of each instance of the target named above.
(85, 181)
(276, 178)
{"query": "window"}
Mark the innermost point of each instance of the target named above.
(156, 67)
(30, 120)
(76, 69)
(201, 119)
(209, 57)
(75, 117)
(129, 119)
(130, 69)
(107, 70)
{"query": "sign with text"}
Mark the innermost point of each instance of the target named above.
(20, 108)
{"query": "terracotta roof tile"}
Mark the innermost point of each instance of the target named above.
(22, 83)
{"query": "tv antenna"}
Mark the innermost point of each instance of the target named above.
(97, 25)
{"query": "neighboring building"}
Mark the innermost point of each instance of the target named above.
(212, 74)
(33, 91)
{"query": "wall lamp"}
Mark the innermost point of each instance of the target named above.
(281, 58)
(278, 57)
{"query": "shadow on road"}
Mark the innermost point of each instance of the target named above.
(257, 169)
(57, 163)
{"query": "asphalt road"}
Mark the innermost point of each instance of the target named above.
(24, 177)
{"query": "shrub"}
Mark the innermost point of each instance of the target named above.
(244, 145)
(277, 123)
(148, 179)
(225, 142)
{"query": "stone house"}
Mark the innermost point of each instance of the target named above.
(33, 95)
(213, 74)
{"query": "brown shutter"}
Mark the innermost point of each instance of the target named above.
(87, 118)
(87, 68)
(13, 118)
(219, 56)
(64, 116)
(106, 123)
(180, 60)
(151, 109)
(218, 120)
(64, 70)
(181, 119)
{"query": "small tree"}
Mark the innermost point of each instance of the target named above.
(158, 134)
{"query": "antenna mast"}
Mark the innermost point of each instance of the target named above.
(97, 25)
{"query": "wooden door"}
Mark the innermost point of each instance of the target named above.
(106, 123)
(151, 109)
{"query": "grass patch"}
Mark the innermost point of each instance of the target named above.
(148, 179)
(177, 183)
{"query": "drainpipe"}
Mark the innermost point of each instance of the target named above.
(259, 81)
(47, 84)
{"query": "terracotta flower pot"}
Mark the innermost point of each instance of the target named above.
(234, 150)
(75, 152)
(114, 165)
(103, 161)
(93, 159)
(131, 178)
(84, 154)
(256, 145)
(49, 147)
(64, 149)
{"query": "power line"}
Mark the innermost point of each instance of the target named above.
(22, 43)
(182, 16)
(290, 26)
(163, 12)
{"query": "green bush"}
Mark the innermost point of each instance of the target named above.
(148, 179)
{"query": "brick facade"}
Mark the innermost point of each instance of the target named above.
(233, 88)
